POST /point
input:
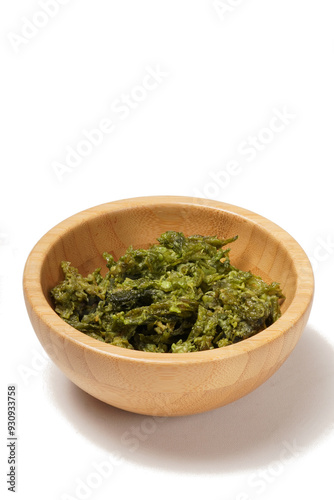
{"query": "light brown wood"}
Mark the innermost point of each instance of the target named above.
(156, 383)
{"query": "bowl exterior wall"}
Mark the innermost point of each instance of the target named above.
(164, 388)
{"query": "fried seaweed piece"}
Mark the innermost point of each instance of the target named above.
(180, 295)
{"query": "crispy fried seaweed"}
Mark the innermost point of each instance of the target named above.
(180, 295)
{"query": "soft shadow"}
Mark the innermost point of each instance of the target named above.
(294, 408)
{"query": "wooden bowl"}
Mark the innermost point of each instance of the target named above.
(162, 383)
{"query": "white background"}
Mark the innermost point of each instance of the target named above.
(226, 74)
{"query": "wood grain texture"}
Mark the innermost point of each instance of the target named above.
(159, 383)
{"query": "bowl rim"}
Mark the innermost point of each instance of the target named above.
(34, 295)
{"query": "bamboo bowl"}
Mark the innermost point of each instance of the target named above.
(162, 383)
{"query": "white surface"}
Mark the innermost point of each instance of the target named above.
(228, 76)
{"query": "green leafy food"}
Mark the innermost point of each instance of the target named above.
(180, 295)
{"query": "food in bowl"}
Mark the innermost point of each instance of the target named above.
(179, 295)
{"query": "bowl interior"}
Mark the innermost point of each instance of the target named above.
(85, 236)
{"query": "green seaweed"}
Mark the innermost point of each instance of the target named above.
(180, 295)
